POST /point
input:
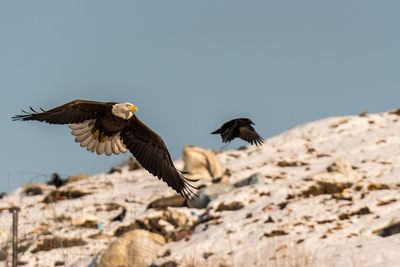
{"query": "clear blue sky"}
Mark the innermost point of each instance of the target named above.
(189, 66)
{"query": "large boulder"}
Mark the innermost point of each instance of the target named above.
(201, 164)
(137, 248)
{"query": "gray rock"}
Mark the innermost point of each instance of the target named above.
(256, 178)
(206, 194)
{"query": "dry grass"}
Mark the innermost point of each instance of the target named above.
(193, 261)
(276, 254)
(57, 242)
(291, 256)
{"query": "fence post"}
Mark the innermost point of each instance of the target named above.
(14, 211)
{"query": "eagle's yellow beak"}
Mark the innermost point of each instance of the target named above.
(133, 108)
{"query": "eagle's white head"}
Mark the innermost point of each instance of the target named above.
(124, 110)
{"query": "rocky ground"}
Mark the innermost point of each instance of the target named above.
(321, 194)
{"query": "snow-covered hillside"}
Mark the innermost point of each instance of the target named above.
(326, 193)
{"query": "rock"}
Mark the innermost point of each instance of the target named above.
(206, 194)
(128, 228)
(162, 226)
(275, 233)
(138, 248)
(121, 216)
(164, 202)
(337, 177)
(201, 164)
(395, 112)
(181, 234)
(100, 236)
(172, 224)
(383, 202)
(361, 211)
(176, 218)
(269, 220)
(166, 264)
(87, 221)
(230, 206)
(341, 166)
(77, 178)
(256, 178)
(339, 122)
(34, 189)
(40, 229)
(285, 163)
(392, 229)
(58, 195)
(376, 186)
(131, 164)
(201, 201)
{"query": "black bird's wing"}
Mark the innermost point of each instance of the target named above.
(248, 134)
(151, 152)
(229, 134)
(228, 131)
(76, 111)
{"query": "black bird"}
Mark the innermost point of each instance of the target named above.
(57, 181)
(110, 128)
(241, 128)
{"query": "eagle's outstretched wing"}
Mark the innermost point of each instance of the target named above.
(76, 111)
(151, 152)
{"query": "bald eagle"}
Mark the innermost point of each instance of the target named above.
(112, 128)
(241, 128)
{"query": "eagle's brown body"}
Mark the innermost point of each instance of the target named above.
(110, 128)
(109, 125)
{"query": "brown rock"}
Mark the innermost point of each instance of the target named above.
(34, 189)
(230, 206)
(100, 236)
(276, 233)
(87, 221)
(337, 177)
(58, 195)
(133, 226)
(347, 215)
(172, 201)
(77, 178)
(285, 163)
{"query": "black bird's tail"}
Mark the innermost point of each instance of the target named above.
(218, 131)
